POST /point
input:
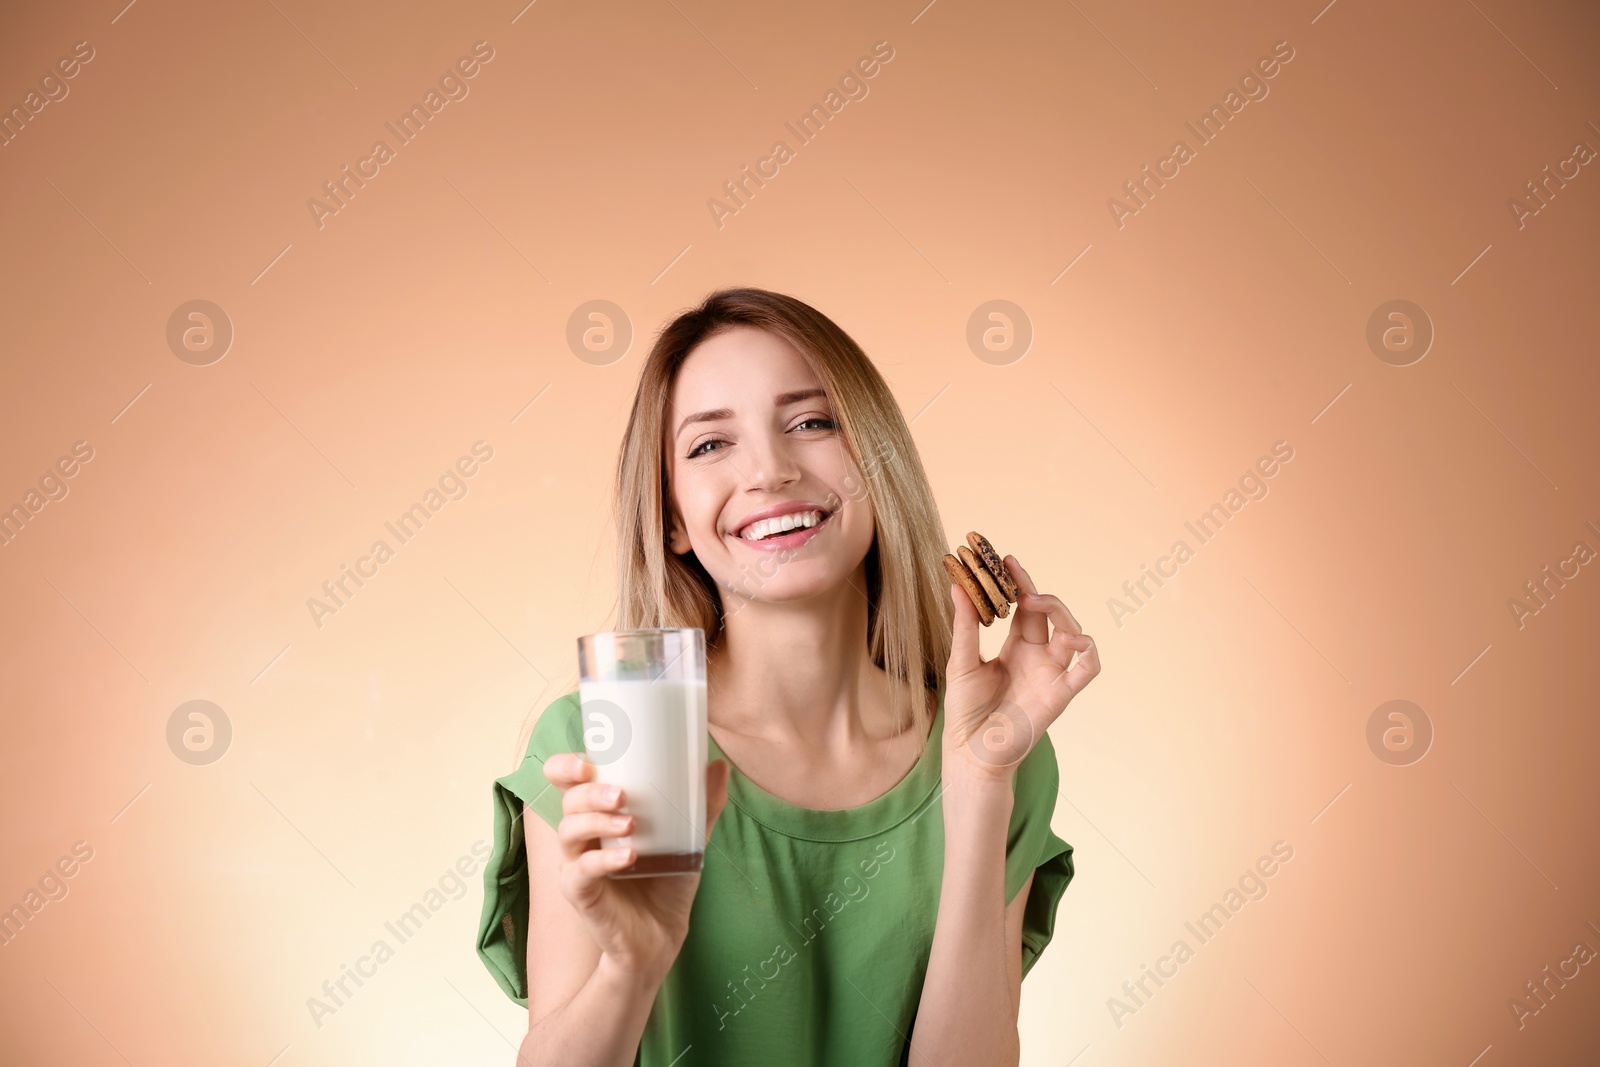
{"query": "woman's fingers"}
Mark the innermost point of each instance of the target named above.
(580, 832)
(566, 769)
(1057, 611)
(571, 773)
(1033, 608)
(1029, 622)
(964, 639)
(591, 810)
(583, 879)
(1035, 613)
(1068, 683)
(592, 796)
(1019, 575)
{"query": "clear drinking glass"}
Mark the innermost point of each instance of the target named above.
(643, 697)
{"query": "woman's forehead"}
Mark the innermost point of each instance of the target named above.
(743, 364)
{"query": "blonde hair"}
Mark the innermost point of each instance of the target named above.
(909, 615)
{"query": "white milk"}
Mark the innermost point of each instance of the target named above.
(657, 756)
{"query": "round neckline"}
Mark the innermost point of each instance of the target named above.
(904, 799)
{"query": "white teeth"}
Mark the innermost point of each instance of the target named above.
(765, 528)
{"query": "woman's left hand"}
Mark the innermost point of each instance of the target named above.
(996, 710)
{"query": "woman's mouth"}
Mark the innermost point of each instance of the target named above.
(785, 531)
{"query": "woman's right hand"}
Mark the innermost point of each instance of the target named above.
(639, 923)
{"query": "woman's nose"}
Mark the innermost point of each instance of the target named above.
(772, 464)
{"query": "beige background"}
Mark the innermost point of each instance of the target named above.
(370, 353)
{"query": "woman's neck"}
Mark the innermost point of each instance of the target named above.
(800, 672)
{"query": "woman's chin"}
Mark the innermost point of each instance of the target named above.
(794, 590)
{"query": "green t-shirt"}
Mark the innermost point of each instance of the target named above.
(810, 932)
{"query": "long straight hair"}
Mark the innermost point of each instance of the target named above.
(909, 615)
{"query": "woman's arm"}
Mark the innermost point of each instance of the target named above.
(972, 991)
(995, 711)
(1014, 912)
(583, 1009)
(598, 949)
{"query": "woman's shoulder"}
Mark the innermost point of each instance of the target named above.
(558, 729)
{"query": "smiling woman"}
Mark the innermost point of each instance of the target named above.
(730, 465)
(803, 381)
(847, 708)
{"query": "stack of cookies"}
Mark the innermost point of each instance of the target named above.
(980, 572)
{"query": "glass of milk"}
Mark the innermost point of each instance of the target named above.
(643, 698)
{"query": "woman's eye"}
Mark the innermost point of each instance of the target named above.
(824, 422)
(814, 422)
(703, 448)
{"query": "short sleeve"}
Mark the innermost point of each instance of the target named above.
(503, 926)
(1032, 846)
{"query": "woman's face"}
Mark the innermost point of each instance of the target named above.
(749, 434)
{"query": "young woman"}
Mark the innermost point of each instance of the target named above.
(880, 870)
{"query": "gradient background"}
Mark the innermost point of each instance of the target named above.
(369, 354)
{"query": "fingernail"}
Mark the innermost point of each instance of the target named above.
(612, 793)
(619, 821)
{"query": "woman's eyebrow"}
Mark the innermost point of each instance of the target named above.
(785, 399)
(781, 400)
(704, 416)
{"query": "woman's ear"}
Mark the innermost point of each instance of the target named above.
(677, 539)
